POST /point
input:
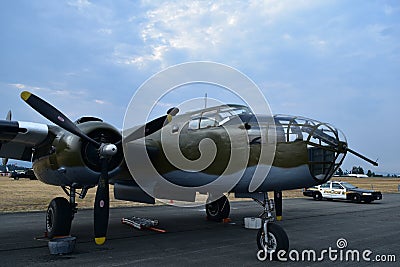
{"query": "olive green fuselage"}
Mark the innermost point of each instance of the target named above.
(65, 160)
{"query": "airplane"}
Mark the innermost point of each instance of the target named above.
(89, 152)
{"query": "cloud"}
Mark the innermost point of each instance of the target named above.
(312, 58)
(79, 4)
(17, 85)
(204, 30)
(98, 101)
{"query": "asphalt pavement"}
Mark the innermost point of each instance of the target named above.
(191, 240)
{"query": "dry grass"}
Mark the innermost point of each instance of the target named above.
(33, 195)
(27, 195)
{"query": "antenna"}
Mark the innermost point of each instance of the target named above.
(205, 100)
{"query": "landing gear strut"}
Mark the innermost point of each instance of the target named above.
(218, 209)
(271, 238)
(60, 213)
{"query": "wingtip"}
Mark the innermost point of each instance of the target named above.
(25, 95)
(100, 240)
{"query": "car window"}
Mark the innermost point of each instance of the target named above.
(349, 186)
(327, 185)
(337, 186)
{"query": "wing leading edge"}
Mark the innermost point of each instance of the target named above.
(18, 138)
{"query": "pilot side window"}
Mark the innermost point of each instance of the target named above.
(202, 123)
(194, 124)
(207, 123)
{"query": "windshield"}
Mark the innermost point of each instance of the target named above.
(349, 186)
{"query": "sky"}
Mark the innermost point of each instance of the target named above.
(333, 61)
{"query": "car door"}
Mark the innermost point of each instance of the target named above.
(326, 190)
(338, 191)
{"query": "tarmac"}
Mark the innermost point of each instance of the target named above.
(191, 240)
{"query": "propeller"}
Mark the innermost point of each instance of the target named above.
(152, 126)
(55, 116)
(106, 152)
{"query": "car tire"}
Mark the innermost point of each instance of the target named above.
(356, 198)
(317, 196)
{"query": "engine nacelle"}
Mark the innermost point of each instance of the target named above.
(69, 160)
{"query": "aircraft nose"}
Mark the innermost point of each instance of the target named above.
(326, 145)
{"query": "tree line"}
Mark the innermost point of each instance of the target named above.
(360, 170)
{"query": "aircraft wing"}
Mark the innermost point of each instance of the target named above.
(18, 138)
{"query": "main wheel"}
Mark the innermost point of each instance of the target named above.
(317, 196)
(58, 217)
(218, 209)
(277, 240)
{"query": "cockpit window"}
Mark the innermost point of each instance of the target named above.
(202, 123)
(194, 124)
(287, 130)
(207, 123)
(233, 111)
(217, 117)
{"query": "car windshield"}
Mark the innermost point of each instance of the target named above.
(349, 186)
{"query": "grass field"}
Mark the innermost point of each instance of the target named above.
(28, 195)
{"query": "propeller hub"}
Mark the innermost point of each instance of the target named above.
(108, 150)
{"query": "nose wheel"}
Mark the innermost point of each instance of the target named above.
(271, 238)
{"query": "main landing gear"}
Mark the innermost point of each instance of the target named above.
(60, 212)
(218, 210)
(271, 238)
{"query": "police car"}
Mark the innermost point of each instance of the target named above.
(342, 190)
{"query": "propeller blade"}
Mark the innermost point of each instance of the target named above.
(152, 126)
(362, 157)
(54, 115)
(8, 117)
(102, 205)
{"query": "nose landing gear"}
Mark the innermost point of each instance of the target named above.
(271, 238)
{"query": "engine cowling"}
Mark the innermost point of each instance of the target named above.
(69, 160)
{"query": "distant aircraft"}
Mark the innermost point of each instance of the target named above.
(80, 155)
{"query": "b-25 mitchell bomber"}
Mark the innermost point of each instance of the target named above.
(80, 155)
